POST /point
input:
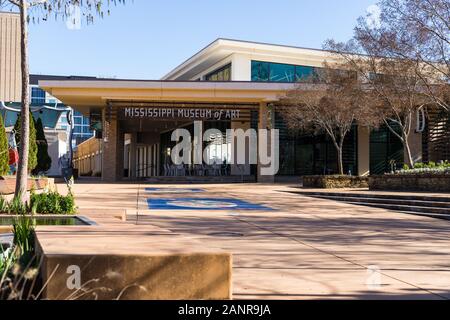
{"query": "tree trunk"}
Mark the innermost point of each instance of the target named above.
(409, 160)
(22, 172)
(340, 162)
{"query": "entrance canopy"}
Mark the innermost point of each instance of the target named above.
(137, 119)
(48, 113)
(85, 94)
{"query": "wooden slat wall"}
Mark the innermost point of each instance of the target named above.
(10, 87)
(437, 136)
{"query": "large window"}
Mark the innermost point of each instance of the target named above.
(260, 71)
(386, 151)
(279, 72)
(222, 74)
(307, 154)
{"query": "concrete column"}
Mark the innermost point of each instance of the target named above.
(363, 151)
(265, 122)
(133, 160)
(110, 146)
(241, 67)
(120, 154)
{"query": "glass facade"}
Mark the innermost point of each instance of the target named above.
(279, 72)
(222, 74)
(38, 95)
(386, 151)
(304, 154)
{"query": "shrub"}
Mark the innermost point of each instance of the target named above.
(32, 156)
(4, 154)
(52, 202)
(427, 168)
(418, 165)
(44, 162)
(49, 202)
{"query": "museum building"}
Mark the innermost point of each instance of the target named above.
(229, 84)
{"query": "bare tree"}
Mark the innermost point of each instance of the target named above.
(332, 107)
(415, 30)
(36, 10)
(393, 86)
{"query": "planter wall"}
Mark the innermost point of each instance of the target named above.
(8, 184)
(334, 182)
(411, 182)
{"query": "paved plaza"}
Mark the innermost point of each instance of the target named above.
(284, 245)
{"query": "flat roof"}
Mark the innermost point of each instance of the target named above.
(230, 46)
(82, 94)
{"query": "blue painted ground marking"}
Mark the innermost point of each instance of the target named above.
(203, 204)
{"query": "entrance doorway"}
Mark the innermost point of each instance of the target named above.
(148, 145)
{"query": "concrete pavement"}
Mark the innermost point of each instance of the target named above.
(304, 249)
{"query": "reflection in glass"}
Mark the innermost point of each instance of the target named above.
(281, 72)
(260, 71)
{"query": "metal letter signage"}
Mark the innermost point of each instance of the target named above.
(141, 113)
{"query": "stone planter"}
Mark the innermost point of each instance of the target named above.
(334, 182)
(8, 184)
(411, 182)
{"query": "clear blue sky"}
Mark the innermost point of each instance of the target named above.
(147, 38)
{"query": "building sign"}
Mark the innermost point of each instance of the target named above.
(142, 113)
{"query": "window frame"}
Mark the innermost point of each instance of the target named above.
(216, 74)
(269, 70)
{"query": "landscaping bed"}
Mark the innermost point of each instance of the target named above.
(47, 202)
(8, 184)
(411, 182)
(334, 182)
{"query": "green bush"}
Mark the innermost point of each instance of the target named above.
(44, 162)
(419, 165)
(32, 156)
(49, 202)
(52, 203)
(430, 165)
(4, 153)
